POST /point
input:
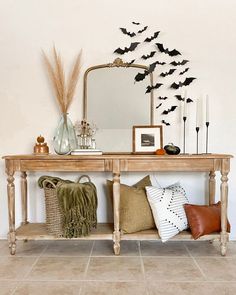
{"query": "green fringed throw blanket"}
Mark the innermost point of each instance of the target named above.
(78, 203)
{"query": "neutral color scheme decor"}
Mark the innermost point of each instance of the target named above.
(116, 164)
(147, 139)
(135, 211)
(65, 139)
(168, 210)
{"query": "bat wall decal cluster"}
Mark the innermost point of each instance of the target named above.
(156, 51)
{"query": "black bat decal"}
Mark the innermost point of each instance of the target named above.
(166, 123)
(144, 29)
(151, 54)
(160, 104)
(153, 66)
(179, 97)
(150, 88)
(124, 31)
(141, 76)
(127, 49)
(186, 82)
(173, 52)
(134, 23)
(163, 97)
(166, 112)
(184, 71)
(171, 71)
(155, 35)
(179, 63)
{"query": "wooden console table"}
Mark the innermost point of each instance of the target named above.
(115, 163)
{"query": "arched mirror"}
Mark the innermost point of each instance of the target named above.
(114, 103)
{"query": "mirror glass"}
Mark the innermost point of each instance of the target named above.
(114, 103)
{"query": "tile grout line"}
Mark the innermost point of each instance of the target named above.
(25, 276)
(87, 266)
(195, 262)
(142, 267)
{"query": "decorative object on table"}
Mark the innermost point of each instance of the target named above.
(135, 211)
(148, 56)
(160, 152)
(167, 208)
(85, 132)
(207, 122)
(147, 139)
(86, 152)
(184, 119)
(65, 139)
(41, 147)
(197, 124)
(172, 149)
(204, 219)
(66, 212)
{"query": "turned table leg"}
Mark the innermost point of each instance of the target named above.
(224, 204)
(212, 187)
(24, 197)
(11, 207)
(116, 208)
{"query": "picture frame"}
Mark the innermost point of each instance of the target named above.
(147, 139)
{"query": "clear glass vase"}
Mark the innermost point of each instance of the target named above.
(64, 140)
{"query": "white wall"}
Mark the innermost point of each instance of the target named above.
(203, 30)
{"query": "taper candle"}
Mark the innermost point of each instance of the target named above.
(185, 104)
(207, 109)
(197, 113)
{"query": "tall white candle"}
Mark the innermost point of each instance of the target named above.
(198, 113)
(185, 103)
(207, 108)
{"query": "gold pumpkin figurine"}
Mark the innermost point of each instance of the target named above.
(41, 147)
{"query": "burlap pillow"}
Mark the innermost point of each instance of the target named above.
(135, 211)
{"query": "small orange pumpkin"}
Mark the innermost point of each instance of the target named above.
(160, 152)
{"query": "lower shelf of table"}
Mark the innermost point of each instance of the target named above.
(104, 231)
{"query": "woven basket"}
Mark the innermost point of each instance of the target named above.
(53, 211)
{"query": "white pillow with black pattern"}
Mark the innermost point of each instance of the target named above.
(168, 210)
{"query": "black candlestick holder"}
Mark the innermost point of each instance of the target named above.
(207, 126)
(184, 143)
(197, 130)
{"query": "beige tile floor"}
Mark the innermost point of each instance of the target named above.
(143, 268)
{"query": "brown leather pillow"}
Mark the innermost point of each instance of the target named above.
(204, 219)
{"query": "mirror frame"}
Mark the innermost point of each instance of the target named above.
(118, 62)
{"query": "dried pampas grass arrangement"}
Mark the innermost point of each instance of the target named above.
(64, 90)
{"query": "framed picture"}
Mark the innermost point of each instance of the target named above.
(147, 139)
